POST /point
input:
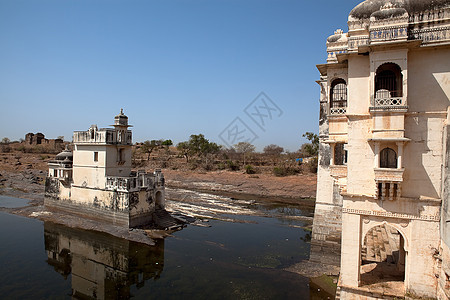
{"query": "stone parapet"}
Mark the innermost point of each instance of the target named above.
(391, 175)
(338, 171)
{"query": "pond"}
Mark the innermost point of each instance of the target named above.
(228, 260)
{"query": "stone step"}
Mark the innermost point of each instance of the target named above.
(164, 220)
(381, 244)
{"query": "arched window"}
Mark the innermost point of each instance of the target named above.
(388, 158)
(338, 97)
(388, 81)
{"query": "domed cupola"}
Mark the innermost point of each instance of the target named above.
(388, 11)
(338, 37)
(121, 119)
(336, 44)
(65, 155)
(365, 9)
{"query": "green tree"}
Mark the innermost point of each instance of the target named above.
(183, 147)
(244, 148)
(6, 140)
(198, 145)
(167, 143)
(312, 148)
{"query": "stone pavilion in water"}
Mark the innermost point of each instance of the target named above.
(96, 179)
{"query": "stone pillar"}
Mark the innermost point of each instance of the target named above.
(383, 190)
(400, 154)
(332, 146)
(351, 249)
(391, 190)
(376, 161)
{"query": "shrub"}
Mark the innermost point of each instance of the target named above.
(221, 166)
(249, 169)
(232, 166)
(207, 166)
(284, 171)
(5, 148)
(193, 166)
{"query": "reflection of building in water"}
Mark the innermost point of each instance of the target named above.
(102, 266)
(97, 181)
(383, 178)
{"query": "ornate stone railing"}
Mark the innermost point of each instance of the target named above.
(398, 101)
(355, 42)
(388, 33)
(102, 136)
(141, 180)
(430, 35)
(338, 110)
(122, 184)
(430, 16)
(392, 103)
(389, 175)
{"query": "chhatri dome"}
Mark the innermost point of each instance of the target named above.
(393, 8)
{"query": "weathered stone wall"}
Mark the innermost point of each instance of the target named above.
(326, 231)
(444, 276)
(120, 218)
(326, 235)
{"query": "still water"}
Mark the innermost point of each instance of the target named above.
(42, 260)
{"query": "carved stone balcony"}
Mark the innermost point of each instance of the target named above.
(388, 183)
(338, 171)
(388, 175)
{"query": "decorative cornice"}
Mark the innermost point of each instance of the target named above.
(386, 214)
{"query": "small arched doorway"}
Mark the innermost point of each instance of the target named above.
(383, 257)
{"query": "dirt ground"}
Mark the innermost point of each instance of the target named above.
(296, 186)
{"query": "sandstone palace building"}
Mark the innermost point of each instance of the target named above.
(384, 179)
(96, 179)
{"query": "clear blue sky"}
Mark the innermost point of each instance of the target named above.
(176, 67)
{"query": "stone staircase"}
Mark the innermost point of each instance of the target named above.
(381, 244)
(163, 220)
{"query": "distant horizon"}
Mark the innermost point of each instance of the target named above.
(176, 68)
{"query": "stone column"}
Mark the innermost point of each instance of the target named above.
(376, 161)
(351, 249)
(400, 154)
(332, 146)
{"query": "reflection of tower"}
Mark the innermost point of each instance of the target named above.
(102, 266)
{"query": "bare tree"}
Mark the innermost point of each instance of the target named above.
(244, 148)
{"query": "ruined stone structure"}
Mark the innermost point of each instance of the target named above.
(97, 181)
(385, 151)
(39, 139)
